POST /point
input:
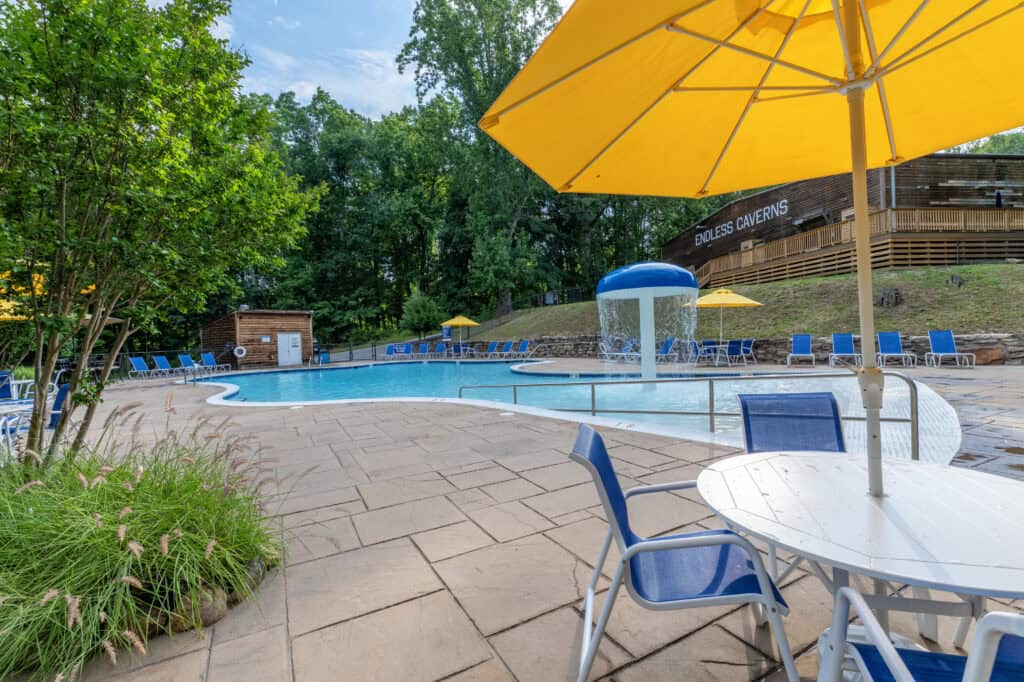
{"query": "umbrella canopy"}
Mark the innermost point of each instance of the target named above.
(460, 321)
(697, 97)
(722, 299)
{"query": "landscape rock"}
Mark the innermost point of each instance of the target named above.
(213, 605)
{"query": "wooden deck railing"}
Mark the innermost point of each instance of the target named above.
(889, 221)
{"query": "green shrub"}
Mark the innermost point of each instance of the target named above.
(421, 314)
(94, 554)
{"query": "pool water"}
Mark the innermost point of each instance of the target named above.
(939, 429)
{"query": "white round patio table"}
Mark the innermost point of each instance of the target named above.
(938, 526)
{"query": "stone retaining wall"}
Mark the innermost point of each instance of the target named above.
(991, 349)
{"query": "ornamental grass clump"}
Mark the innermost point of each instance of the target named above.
(102, 550)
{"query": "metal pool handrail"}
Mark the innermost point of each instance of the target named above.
(711, 413)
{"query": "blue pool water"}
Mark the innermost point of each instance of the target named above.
(431, 380)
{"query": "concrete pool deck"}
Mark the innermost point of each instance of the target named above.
(435, 541)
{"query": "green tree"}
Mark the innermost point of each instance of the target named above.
(421, 314)
(133, 178)
(1004, 143)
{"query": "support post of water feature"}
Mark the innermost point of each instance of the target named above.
(642, 306)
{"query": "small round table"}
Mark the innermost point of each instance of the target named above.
(941, 527)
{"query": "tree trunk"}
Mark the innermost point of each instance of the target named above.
(504, 303)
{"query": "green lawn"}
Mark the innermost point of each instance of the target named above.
(989, 301)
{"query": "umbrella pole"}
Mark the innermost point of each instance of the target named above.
(721, 323)
(870, 377)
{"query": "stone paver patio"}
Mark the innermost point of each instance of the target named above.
(431, 541)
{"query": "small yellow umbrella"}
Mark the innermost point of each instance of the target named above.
(460, 321)
(722, 299)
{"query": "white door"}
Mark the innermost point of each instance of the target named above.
(289, 349)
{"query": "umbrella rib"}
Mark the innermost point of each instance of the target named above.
(942, 29)
(897, 66)
(877, 60)
(882, 97)
(675, 28)
(763, 88)
(752, 99)
(493, 118)
(658, 100)
(850, 73)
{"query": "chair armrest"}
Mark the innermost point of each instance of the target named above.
(985, 645)
(845, 599)
(660, 488)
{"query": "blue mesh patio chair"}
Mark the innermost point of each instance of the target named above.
(492, 349)
(58, 405)
(6, 388)
(689, 570)
(996, 653)
(748, 350)
(734, 352)
(666, 353)
(389, 352)
(843, 349)
(189, 366)
(10, 426)
(801, 349)
(164, 367)
(891, 346)
(943, 345)
(139, 368)
(211, 364)
(791, 421)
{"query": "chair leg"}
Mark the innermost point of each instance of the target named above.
(779, 632)
(591, 640)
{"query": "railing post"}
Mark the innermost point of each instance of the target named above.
(711, 405)
(515, 395)
(593, 399)
(915, 437)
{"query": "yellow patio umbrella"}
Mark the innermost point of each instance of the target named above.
(696, 97)
(460, 321)
(722, 299)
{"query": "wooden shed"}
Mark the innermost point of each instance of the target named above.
(271, 338)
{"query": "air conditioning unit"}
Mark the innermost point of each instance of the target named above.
(747, 245)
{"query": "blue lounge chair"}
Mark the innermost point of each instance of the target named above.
(389, 352)
(522, 350)
(791, 421)
(189, 366)
(996, 653)
(164, 367)
(665, 353)
(423, 351)
(843, 348)
(211, 364)
(734, 352)
(141, 369)
(801, 349)
(891, 346)
(689, 570)
(506, 349)
(6, 388)
(441, 349)
(943, 345)
(748, 350)
(492, 349)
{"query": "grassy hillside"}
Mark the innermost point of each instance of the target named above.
(991, 300)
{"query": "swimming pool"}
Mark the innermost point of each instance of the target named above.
(441, 380)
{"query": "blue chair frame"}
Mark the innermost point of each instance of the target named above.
(996, 653)
(734, 351)
(943, 345)
(801, 349)
(689, 570)
(843, 347)
(791, 421)
(210, 362)
(747, 349)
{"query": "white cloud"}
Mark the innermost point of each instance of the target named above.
(366, 80)
(287, 23)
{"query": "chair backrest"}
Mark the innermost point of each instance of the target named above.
(842, 344)
(748, 345)
(627, 346)
(441, 347)
(942, 341)
(161, 362)
(492, 347)
(801, 344)
(138, 364)
(507, 346)
(524, 346)
(890, 343)
(709, 342)
(390, 350)
(6, 392)
(735, 347)
(208, 359)
(58, 405)
(791, 421)
(424, 348)
(666, 347)
(589, 450)
(186, 361)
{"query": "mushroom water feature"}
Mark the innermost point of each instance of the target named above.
(650, 301)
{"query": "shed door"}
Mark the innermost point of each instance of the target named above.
(289, 349)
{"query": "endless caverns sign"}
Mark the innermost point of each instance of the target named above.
(706, 235)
